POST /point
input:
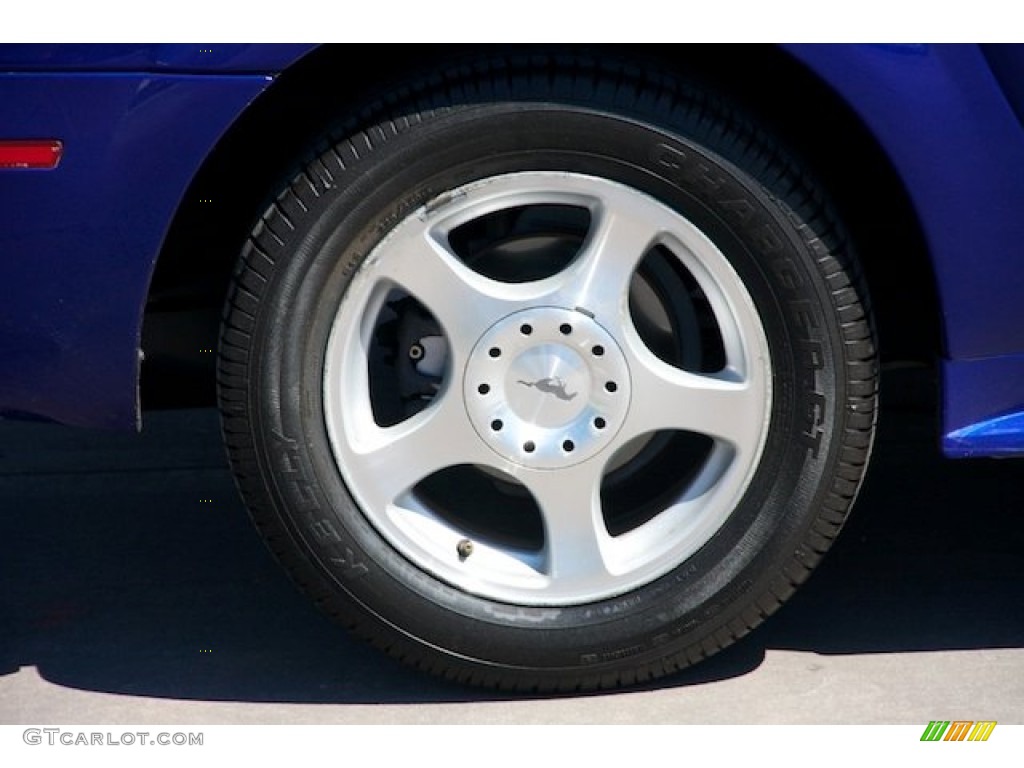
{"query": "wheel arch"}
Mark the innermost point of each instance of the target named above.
(258, 152)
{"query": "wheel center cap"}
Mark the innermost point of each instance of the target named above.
(547, 387)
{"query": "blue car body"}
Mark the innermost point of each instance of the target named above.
(80, 243)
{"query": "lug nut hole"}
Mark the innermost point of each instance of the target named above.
(497, 424)
(529, 446)
(568, 446)
(526, 329)
(483, 389)
(565, 328)
(598, 350)
(611, 386)
(600, 423)
(494, 352)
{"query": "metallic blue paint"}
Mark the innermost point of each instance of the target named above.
(950, 132)
(991, 423)
(992, 438)
(78, 245)
(159, 57)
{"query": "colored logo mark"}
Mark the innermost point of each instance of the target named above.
(958, 730)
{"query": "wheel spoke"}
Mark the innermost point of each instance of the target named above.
(576, 541)
(599, 280)
(724, 407)
(402, 455)
(462, 300)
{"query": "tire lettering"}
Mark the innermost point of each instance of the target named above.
(669, 157)
(596, 658)
(803, 314)
(687, 169)
(523, 614)
(768, 241)
(811, 360)
(740, 209)
(292, 477)
(788, 277)
(707, 177)
(614, 609)
(324, 531)
(812, 357)
(290, 471)
(814, 419)
(350, 566)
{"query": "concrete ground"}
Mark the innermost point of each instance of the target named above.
(134, 590)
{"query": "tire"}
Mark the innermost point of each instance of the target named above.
(548, 379)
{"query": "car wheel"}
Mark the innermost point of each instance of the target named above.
(548, 378)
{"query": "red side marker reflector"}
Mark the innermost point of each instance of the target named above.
(30, 154)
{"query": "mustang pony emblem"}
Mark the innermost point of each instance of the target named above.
(551, 386)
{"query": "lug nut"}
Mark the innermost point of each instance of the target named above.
(464, 548)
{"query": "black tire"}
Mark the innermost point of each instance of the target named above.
(334, 346)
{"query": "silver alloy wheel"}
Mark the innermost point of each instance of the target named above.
(541, 409)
